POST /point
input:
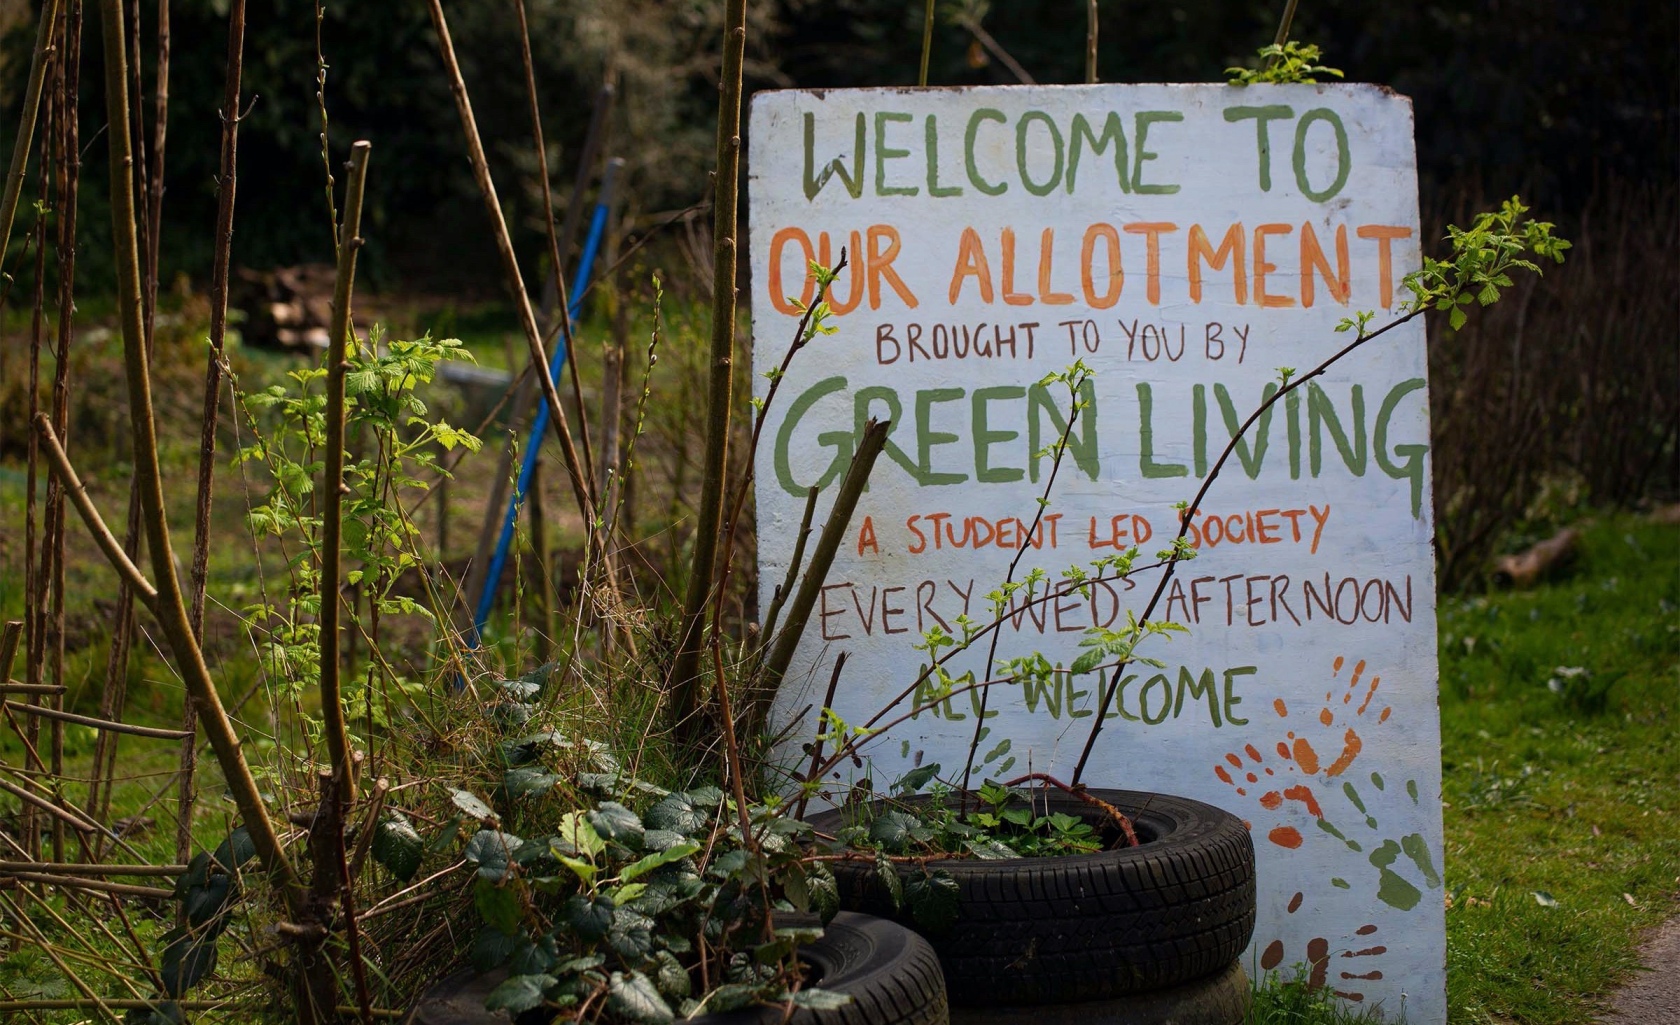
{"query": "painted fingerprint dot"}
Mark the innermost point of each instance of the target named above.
(1325, 717)
(1411, 789)
(1365, 930)
(1377, 780)
(1384, 716)
(1285, 836)
(1295, 901)
(1271, 801)
(1280, 708)
(1336, 666)
(1340, 884)
(1272, 956)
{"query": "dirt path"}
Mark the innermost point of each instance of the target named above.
(1654, 996)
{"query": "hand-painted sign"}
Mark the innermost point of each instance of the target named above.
(1185, 243)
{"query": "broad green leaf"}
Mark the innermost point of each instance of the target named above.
(492, 948)
(472, 805)
(397, 846)
(576, 833)
(731, 997)
(934, 899)
(815, 999)
(236, 850)
(537, 958)
(630, 935)
(1088, 661)
(671, 977)
(888, 875)
(528, 780)
(589, 918)
(891, 830)
(204, 904)
(519, 993)
(491, 851)
(643, 866)
(987, 849)
(500, 906)
(627, 893)
(917, 778)
(661, 839)
(825, 892)
(617, 823)
(187, 958)
(635, 998)
(680, 814)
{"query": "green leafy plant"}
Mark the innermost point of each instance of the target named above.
(1284, 62)
(398, 461)
(620, 915)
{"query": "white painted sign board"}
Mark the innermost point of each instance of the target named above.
(1185, 242)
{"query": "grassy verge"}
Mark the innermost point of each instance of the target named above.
(1561, 768)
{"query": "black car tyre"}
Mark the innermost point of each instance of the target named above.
(1176, 908)
(1222, 999)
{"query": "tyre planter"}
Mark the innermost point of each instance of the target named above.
(891, 974)
(1222, 999)
(1177, 908)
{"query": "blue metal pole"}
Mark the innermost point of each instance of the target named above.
(539, 423)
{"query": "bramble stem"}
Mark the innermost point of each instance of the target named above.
(332, 478)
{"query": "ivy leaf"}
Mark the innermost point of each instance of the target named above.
(934, 900)
(397, 846)
(617, 823)
(643, 866)
(520, 993)
(821, 999)
(187, 958)
(235, 851)
(635, 998)
(164, 1012)
(204, 904)
(472, 805)
(490, 851)
(589, 918)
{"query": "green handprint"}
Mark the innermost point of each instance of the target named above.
(1393, 889)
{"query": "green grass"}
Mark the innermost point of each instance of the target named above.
(1563, 787)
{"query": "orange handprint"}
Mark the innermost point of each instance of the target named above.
(1317, 961)
(1300, 755)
